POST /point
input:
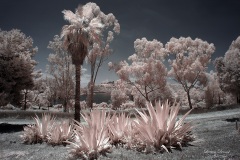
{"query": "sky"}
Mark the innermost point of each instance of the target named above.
(214, 21)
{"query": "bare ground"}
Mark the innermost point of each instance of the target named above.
(215, 139)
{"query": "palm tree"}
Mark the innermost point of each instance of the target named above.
(84, 28)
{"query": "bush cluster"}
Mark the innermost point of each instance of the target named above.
(155, 130)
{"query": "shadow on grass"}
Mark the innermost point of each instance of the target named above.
(20, 114)
(8, 128)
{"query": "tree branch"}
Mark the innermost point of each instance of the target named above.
(138, 89)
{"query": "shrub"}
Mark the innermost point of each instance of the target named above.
(47, 130)
(118, 97)
(83, 104)
(118, 127)
(139, 100)
(30, 135)
(103, 105)
(157, 129)
(39, 131)
(160, 129)
(60, 133)
(128, 105)
(91, 139)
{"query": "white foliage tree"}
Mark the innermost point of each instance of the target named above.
(190, 63)
(16, 65)
(40, 95)
(228, 70)
(214, 87)
(60, 67)
(146, 73)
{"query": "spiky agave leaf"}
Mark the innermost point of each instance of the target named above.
(60, 133)
(151, 129)
(97, 117)
(118, 127)
(29, 134)
(45, 125)
(39, 131)
(66, 129)
(130, 135)
(54, 137)
(160, 128)
(38, 126)
(92, 139)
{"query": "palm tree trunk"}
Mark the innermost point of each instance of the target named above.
(77, 93)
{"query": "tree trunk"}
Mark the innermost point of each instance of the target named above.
(65, 107)
(219, 99)
(25, 101)
(77, 93)
(90, 95)
(147, 98)
(189, 99)
(238, 98)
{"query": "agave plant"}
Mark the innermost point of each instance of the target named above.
(91, 139)
(54, 137)
(66, 130)
(118, 128)
(44, 126)
(30, 134)
(130, 136)
(39, 131)
(160, 129)
(60, 133)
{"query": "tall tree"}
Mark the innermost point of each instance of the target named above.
(27, 98)
(190, 63)
(119, 94)
(40, 95)
(214, 87)
(228, 70)
(16, 65)
(61, 68)
(146, 73)
(99, 52)
(84, 29)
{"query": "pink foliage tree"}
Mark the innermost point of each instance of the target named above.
(146, 72)
(228, 70)
(119, 94)
(100, 50)
(190, 63)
